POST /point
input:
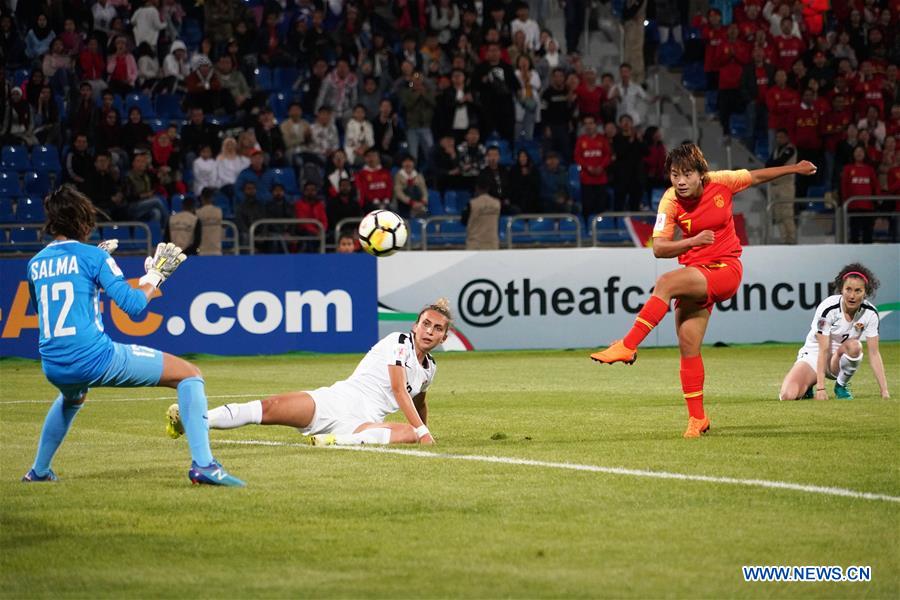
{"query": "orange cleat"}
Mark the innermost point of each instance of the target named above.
(696, 427)
(617, 352)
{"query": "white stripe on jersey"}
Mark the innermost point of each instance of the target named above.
(829, 320)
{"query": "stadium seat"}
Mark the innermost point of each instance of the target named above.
(176, 202)
(435, 203)
(15, 158)
(37, 183)
(30, 210)
(45, 158)
(262, 77)
(693, 77)
(21, 76)
(9, 184)
(191, 33)
(738, 125)
(288, 179)
(7, 212)
(532, 147)
(506, 155)
(575, 182)
(283, 79)
(670, 54)
(224, 202)
(415, 232)
(168, 106)
(518, 228)
(446, 233)
(455, 201)
(142, 101)
(156, 125)
(27, 238)
(118, 104)
(279, 103)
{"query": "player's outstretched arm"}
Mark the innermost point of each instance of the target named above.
(421, 407)
(877, 365)
(804, 167)
(160, 266)
(405, 402)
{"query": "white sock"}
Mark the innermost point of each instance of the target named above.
(378, 435)
(848, 367)
(234, 415)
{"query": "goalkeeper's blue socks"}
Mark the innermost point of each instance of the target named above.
(56, 426)
(192, 407)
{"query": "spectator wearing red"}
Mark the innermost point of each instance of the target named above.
(814, 14)
(730, 57)
(593, 157)
(805, 134)
(781, 101)
(869, 90)
(713, 35)
(893, 123)
(122, 68)
(788, 48)
(90, 61)
(749, 19)
(311, 206)
(833, 127)
(374, 183)
(756, 78)
(860, 179)
(589, 95)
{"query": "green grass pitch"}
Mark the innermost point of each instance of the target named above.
(124, 520)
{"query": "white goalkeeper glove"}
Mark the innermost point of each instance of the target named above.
(161, 265)
(109, 245)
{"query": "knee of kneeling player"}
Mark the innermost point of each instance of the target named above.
(852, 348)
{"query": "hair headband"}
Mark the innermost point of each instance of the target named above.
(856, 274)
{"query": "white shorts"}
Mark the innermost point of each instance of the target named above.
(811, 357)
(338, 412)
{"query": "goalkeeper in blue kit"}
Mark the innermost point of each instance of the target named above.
(65, 279)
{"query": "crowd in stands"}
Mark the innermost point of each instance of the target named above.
(813, 80)
(320, 110)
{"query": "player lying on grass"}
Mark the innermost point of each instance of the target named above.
(65, 280)
(833, 347)
(699, 204)
(394, 375)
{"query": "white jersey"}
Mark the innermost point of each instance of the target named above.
(370, 383)
(829, 320)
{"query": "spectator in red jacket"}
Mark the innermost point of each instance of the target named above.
(593, 156)
(589, 95)
(833, 128)
(750, 20)
(780, 102)
(731, 56)
(869, 90)
(713, 35)
(860, 179)
(806, 136)
(311, 206)
(374, 183)
(788, 47)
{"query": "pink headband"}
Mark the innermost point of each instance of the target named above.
(856, 274)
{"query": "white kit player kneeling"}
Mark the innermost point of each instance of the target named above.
(833, 347)
(394, 375)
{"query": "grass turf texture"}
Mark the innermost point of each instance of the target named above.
(124, 519)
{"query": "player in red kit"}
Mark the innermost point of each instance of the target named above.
(699, 204)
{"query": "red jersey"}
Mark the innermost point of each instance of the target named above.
(589, 101)
(730, 60)
(833, 126)
(311, 210)
(593, 152)
(374, 185)
(749, 28)
(893, 181)
(711, 211)
(714, 38)
(804, 130)
(893, 128)
(762, 84)
(859, 179)
(787, 50)
(869, 93)
(781, 103)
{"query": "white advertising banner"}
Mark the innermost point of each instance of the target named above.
(573, 298)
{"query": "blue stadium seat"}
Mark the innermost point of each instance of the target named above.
(446, 233)
(279, 103)
(532, 147)
(670, 53)
(575, 182)
(455, 201)
(415, 231)
(30, 210)
(288, 179)
(117, 103)
(157, 125)
(9, 184)
(25, 237)
(283, 79)
(21, 76)
(224, 202)
(15, 158)
(506, 155)
(191, 33)
(46, 158)
(435, 203)
(175, 202)
(7, 214)
(693, 77)
(738, 125)
(168, 106)
(37, 183)
(142, 101)
(262, 77)
(656, 195)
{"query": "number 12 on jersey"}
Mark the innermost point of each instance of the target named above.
(67, 291)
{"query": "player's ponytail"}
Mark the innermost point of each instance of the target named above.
(859, 271)
(440, 306)
(69, 213)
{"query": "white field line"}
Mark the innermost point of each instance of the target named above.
(140, 399)
(760, 483)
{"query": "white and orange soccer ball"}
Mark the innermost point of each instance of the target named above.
(382, 232)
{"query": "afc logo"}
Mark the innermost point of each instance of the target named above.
(719, 201)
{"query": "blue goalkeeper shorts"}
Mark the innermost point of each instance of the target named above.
(131, 366)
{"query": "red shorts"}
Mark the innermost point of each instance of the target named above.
(723, 279)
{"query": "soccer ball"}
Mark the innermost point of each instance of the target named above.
(382, 232)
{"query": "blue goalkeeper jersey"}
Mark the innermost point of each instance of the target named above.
(65, 280)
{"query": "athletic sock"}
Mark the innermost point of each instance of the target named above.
(378, 435)
(192, 408)
(649, 317)
(56, 426)
(692, 375)
(848, 367)
(230, 416)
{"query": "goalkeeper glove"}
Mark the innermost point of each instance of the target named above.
(109, 245)
(161, 265)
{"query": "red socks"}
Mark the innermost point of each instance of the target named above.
(649, 317)
(692, 384)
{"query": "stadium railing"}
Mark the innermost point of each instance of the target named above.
(231, 240)
(133, 236)
(833, 216)
(611, 228)
(446, 231)
(286, 236)
(533, 229)
(350, 224)
(847, 215)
